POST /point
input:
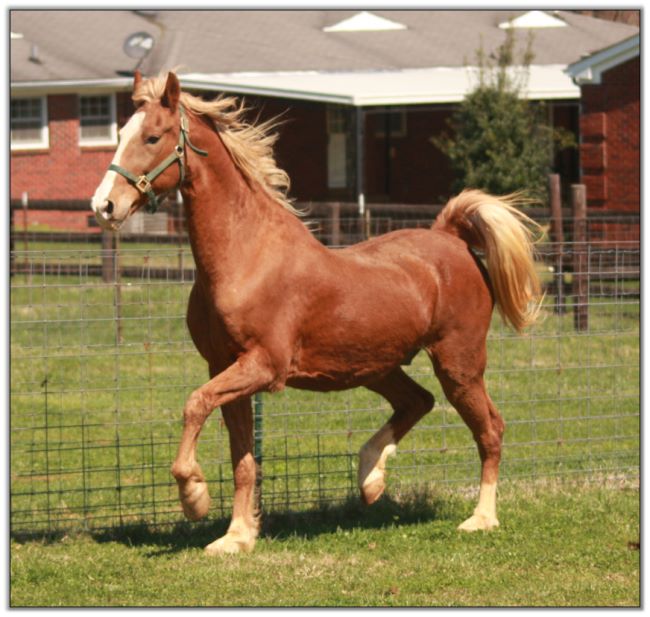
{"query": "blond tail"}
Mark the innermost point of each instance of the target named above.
(495, 226)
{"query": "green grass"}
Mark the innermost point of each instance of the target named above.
(559, 544)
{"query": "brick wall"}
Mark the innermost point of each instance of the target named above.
(65, 170)
(610, 131)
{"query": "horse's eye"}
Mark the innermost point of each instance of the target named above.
(153, 139)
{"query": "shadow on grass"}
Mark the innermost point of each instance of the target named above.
(308, 524)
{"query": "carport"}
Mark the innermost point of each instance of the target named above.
(368, 92)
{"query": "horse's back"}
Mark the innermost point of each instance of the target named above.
(445, 267)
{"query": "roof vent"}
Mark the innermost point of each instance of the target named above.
(533, 19)
(34, 55)
(364, 22)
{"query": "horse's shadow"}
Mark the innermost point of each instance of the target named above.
(282, 526)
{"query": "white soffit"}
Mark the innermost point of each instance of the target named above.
(373, 88)
(533, 19)
(364, 22)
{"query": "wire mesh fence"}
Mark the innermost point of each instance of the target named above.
(100, 372)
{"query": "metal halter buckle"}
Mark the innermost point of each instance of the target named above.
(143, 185)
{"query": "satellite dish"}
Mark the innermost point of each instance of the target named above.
(138, 45)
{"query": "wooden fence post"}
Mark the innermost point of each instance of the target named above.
(580, 259)
(557, 236)
(108, 256)
(335, 217)
(179, 226)
(12, 247)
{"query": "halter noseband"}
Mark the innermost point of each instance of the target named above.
(143, 182)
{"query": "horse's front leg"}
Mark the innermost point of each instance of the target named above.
(249, 374)
(244, 526)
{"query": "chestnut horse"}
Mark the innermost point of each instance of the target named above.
(272, 307)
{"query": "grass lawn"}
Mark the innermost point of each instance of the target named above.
(559, 544)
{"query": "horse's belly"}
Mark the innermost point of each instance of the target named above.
(345, 357)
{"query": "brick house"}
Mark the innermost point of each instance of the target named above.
(358, 119)
(610, 85)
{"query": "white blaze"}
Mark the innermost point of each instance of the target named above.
(127, 132)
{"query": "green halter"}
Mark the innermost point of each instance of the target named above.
(143, 183)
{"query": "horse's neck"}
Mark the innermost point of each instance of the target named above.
(230, 223)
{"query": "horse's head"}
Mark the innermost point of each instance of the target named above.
(149, 157)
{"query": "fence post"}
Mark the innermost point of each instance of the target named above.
(258, 406)
(25, 204)
(178, 224)
(257, 423)
(335, 217)
(557, 235)
(12, 240)
(580, 261)
(108, 256)
(118, 288)
(24, 200)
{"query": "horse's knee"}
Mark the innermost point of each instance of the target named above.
(196, 408)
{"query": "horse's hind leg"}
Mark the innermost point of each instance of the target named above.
(410, 402)
(460, 371)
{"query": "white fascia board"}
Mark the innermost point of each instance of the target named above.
(589, 70)
(242, 87)
(374, 88)
(39, 88)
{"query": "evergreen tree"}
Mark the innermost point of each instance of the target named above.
(501, 142)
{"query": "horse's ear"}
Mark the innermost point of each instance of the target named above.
(172, 93)
(137, 80)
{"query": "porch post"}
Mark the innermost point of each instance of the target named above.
(361, 198)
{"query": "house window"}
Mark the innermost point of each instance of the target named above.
(29, 123)
(393, 122)
(97, 125)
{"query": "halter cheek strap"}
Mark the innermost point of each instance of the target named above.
(143, 182)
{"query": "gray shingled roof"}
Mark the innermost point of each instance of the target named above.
(87, 45)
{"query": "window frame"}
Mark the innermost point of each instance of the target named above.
(398, 132)
(92, 142)
(337, 121)
(43, 143)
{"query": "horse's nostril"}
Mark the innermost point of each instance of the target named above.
(109, 207)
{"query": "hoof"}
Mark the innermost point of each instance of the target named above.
(479, 522)
(230, 544)
(373, 487)
(195, 501)
(372, 471)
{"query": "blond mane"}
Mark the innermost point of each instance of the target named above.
(251, 146)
